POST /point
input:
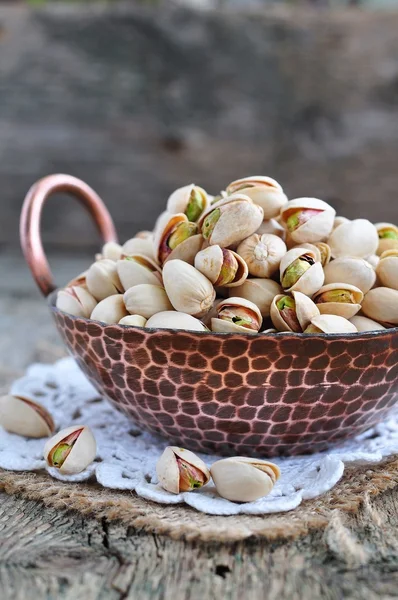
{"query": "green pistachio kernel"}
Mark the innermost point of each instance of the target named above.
(344, 296)
(195, 205)
(210, 222)
(313, 329)
(388, 234)
(296, 270)
(182, 233)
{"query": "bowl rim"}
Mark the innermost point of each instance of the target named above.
(51, 299)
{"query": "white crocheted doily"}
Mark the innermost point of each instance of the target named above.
(127, 457)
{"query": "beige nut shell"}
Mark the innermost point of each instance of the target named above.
(209, 261)
(179, 199)
(381, 305)
(77, 301)
(312, 280)
(342, 309)
(355, 271)
(241, 479)
(387, 269)
(82, 453)
(167, 467)
(358, 238)
(110, 310)
(138, 245)
(264, 191)
(146, 300)
(172, 319)
(364, 324)
(305, 311)
(386, 243)
(102, 279)
(333, 324)
(259, 291)
(223, 326)
(136, 269)
(262, 254)
(133, 321)
(316, 229)
(189, 290)
(24, 416)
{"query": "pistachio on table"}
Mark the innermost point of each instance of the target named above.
(242, 479)
(25, 416)
(71, 450)
(180, 470)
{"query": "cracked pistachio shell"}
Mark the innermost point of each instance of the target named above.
(355, 271)
(364, 324)
(387, 243)
(133, 321)
(136, 269)
(169, 474)
(188, 289)
(186, 250)
(110, 310)
(79, 280)
(179, 201)
(339, 221)
(237, 218)
(272, 226)
(312, 280)
(24, 416)
(318, 227)
(262, 254)
(311, 247)
(172, 319)
(387, 269)
(356, 238)
(333, 324)
(220, 325)
(381, 305)
(325, 252)
(76, 301)
(102, 279)
(305, 310)
(214, 263)
(146, 300)
(212, 314)
(259, 291)
(264, 191)
(112, 251)
(139, 245)
(343, 309)
(242, 479)
(82, 453)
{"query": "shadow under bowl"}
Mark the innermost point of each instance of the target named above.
(254, 395)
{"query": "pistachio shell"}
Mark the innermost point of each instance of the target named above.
(387, 269)
(318, 227)
(188, 289)
(179, 200)
(325, 252)
(259, 291)
(241, 479)
(373, 260)
(262, 254)
(211, 261)
(364, 324)
(187, 250)
(79, 280)
(76, 301)
(165, 225)
(82, 453)
(24, 416)
(333, 324)
(343, 309)
(220, 325)
(339, 221)
(356, 238)
(386, 243)
(146, 300)
(381, 305)
(102, 279)
(312, 280)
(112, 251)
(110, 310)
(264, 191)
(144, 235)
(272, 226)
(136, 269)
(313, 248)
(238, 218)
(133, 321)
(143, 246)
(355, 271)
(168, 471)
(305, 310)
(172, 319)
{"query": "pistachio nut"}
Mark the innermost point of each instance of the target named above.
(242, 479)
(188, 289)
(313, 248)
(308, 219)
(133, 321)
(339, 221)
(76, 300)
(136, 269)
(144, 235)
(330, 324)
(79, 280)
(373, 260)
(264, 192)
(387, 269)
(364, 324)
(300, 272)
(112, 251)
(223, 267)
(139, 245)
(180, 470)
(102, 279)
(172, 319)
(24, 416)
(191, 200)
(340, 299)
(230, 220)
(355, 271)
(262, 254)
(325, 252)
(381, 305)
(237, 315)
(272, 226)
(293, 313)
(175, 234)
(259, 291)
(388, 237)
(71, 450)
(358, 238)
(146, 300)
(270, 330)
(110, 310)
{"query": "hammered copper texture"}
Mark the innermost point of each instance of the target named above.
(235, 394)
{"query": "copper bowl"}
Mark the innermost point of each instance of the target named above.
(268, 395)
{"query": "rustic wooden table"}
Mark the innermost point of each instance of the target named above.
(47, 554)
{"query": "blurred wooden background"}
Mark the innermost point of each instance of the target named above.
(140, 98)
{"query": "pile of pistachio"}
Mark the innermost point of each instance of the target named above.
(73, 449)
(248, 260)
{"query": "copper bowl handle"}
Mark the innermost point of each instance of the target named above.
(29, 231)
